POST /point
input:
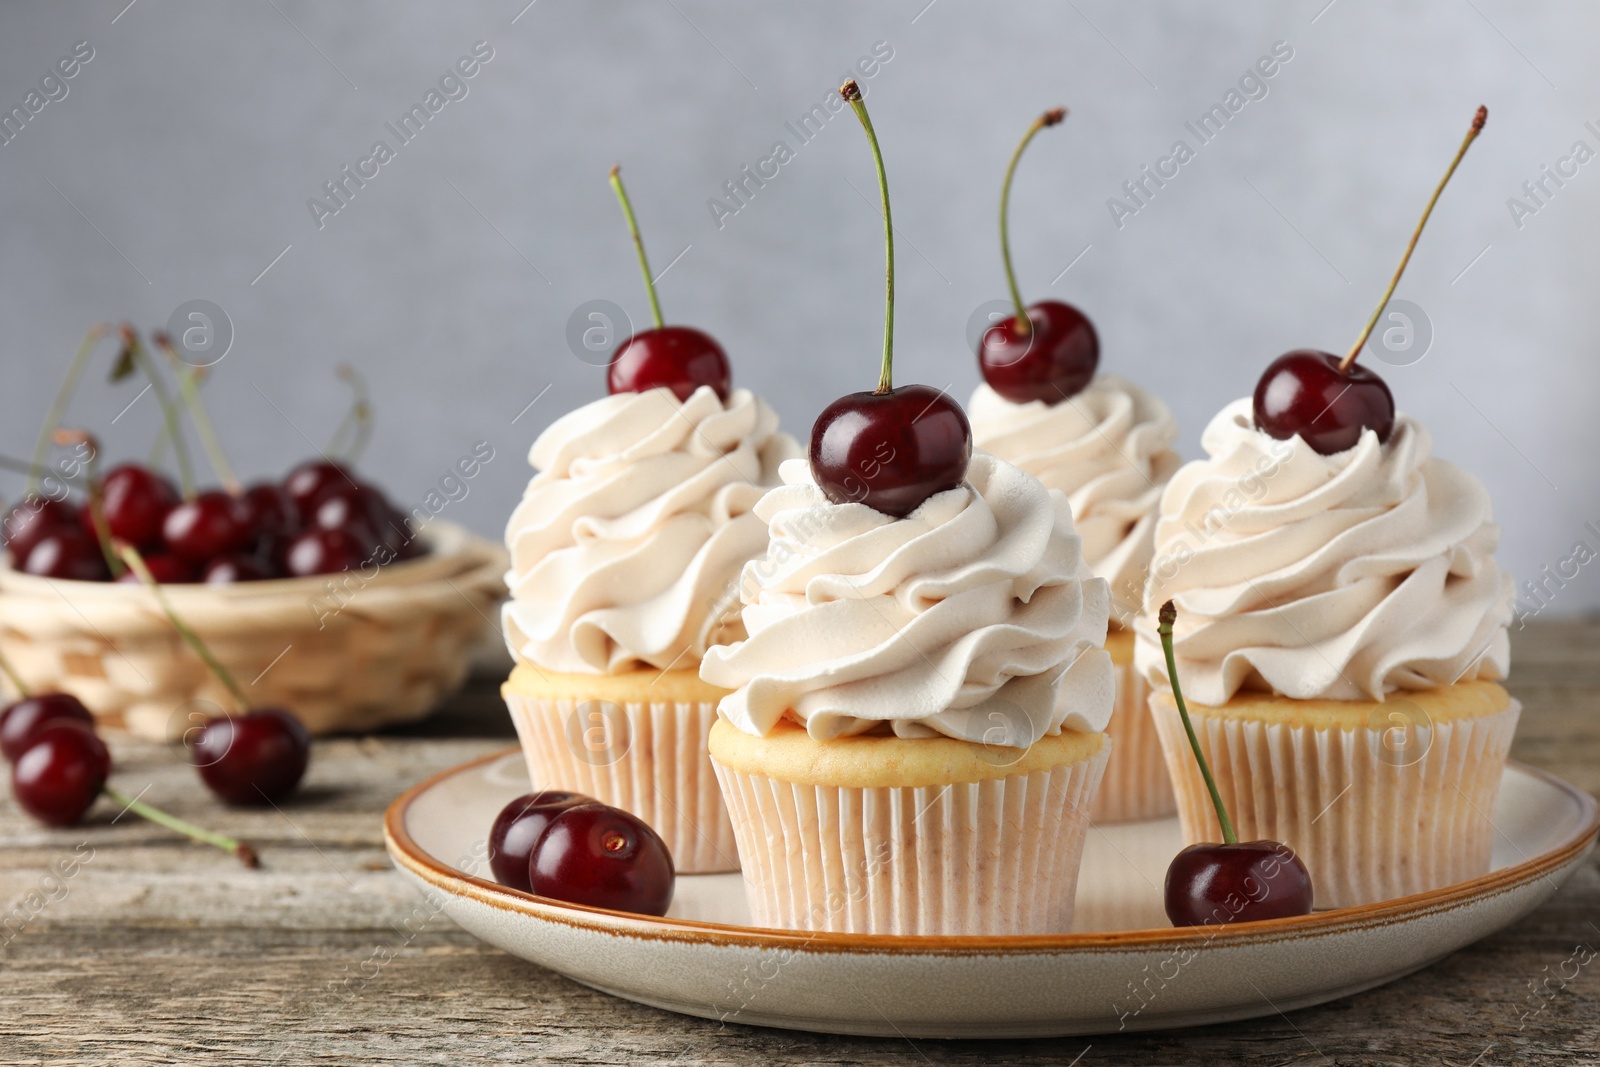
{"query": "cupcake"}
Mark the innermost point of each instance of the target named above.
(625, 553)
(1341, 627)
(1106, 444)
(1109, 449)
(914, 733)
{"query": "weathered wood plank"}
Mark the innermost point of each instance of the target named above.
(158, 952)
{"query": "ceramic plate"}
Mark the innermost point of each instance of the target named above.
(1124, 968)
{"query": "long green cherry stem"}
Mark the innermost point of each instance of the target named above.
(243, 851)
(1052, 117)
(135, 562)
(638, 243)
(52, 419)
(189, 386)
(169, 410)
(1472, 135)
(852, 92)
(10, 671)
(97, 509)
(1169, 614)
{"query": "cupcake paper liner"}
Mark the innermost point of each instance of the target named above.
(648, 758)
(1136, 784)
(1374, 813)
(993, 857)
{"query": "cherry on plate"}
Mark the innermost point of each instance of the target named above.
(605, 858)
(1242, 882)
(517, 828)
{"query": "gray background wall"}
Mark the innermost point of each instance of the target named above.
(179, 164)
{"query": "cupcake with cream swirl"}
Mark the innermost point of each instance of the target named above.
(1109, 448)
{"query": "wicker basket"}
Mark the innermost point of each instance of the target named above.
(342, 652)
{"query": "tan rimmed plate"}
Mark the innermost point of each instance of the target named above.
(1124, 969)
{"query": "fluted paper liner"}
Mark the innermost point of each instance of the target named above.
(1136, 785)
(1367, 828)
(647, 757)
(993, 857)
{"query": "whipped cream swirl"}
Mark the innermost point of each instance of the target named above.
(1109, 448)
(972, 617)
(1342, 577)
(627, 545)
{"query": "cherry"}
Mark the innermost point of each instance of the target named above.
(252, 759)
(169, 570)
(1230, 882)
(270, 510)
(680, 358)
(1243, 882)
(1307, 393)
(605, 858)
(1327, 401)
(31, 520)
(307, 482)
(517, 828)
(212, 524)
(358, 509)
(890, 451)
(70, 554)
(59, 776)
(134, 500)
(1045, 352)
(22, 721)
(237, 567)
(319, 551)
(1055, 359)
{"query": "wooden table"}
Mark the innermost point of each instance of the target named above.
(156, 951)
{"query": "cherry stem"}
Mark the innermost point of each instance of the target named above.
(21, 466)
(97, 495)
(1049, 118)
(1466, 142)
(243, 851)
(169, 410)
(188, 386)
(1169, 613)
(10, 671)
(638, 243)
(357, 422)
(58, 409)
(852, 92)
(135, 562)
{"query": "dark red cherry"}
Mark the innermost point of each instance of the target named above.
(134, 501)
(358, 508)
(890, 451)
(605, 858)
(21, 722)
(1055, 359)
(270, 510)
(1244, 882)
(168, 570)
(1305, 393)
(60, 775)
(680, 358)
(28, 523)
(252, 759)
(68, 553)
(212, 524)
(319, 551)
(238, 567)
(307, 482)
(517, 828)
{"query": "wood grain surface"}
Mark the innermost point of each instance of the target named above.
(152, 951)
